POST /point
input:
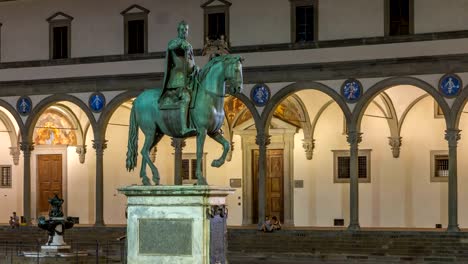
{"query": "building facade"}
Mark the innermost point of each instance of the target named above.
(352, 112)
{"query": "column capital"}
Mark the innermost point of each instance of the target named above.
(308, 144)
(178, 143)
(99, 145)
(81, 151)
(26, 147)
(395, 144)
(15, 153)
(452, 136)
(354, 138)
(262, 140)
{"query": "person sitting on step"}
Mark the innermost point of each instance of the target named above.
(14, 221)
(275, 223)
(267, 227)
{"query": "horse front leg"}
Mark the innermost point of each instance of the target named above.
(221, 140)
(200, 143)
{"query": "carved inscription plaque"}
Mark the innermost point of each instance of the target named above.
(165, 237)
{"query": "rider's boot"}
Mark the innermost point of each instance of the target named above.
(183, 117)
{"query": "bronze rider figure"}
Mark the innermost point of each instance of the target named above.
(179, 77)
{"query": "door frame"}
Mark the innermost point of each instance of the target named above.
(282, 137)
(46, 150)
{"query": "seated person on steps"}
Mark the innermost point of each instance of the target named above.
(275, 223)
(14, 221)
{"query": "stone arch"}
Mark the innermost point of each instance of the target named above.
(46, 102)
(109, 110)
(15, 115)
(408, 109)
(12, 133)
(11, 129)
(251, 107)
(228, 128)
(73, 118)
(458, 106)
(296, 87)
(381, 86)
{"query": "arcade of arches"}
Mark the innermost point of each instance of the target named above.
(400, 142)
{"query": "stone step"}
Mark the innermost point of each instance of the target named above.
(364, 245)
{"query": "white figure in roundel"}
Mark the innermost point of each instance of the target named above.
(260, 95)
(450, 85)
(24, 105)
(97, 102)
(351, 90)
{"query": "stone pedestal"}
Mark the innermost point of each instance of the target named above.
(176, 224)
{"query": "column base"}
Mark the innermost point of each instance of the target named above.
(354, 227)
(453, 228)
(99, 224)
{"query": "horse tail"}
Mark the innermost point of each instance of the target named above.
(132, 146)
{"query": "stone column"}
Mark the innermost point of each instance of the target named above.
(27, 148)
(452, 136)
(178, 144)
(354, 138)
(262, 141)
(99, 146)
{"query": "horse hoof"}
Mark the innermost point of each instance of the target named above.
(217, 163)
(146, 182)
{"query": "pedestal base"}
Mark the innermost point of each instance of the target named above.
(55, 248)
(171, 224)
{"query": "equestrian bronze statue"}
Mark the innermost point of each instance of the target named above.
(191, 103)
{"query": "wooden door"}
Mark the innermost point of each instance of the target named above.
(49, 175)
(274, 184)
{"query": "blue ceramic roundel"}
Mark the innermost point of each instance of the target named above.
(450, 84)
(96, 102)
(351, 90)
(260, 94)
(24, 105)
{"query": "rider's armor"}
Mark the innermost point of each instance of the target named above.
(181, 65)
(178, 82)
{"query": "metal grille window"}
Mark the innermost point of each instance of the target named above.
(439, 166)
(189, 166)
(5, 181)
(342, 166)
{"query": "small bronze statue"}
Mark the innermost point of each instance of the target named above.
(56, 224)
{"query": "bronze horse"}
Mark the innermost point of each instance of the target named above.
(207, 116)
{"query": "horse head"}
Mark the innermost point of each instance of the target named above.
(233, 74)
